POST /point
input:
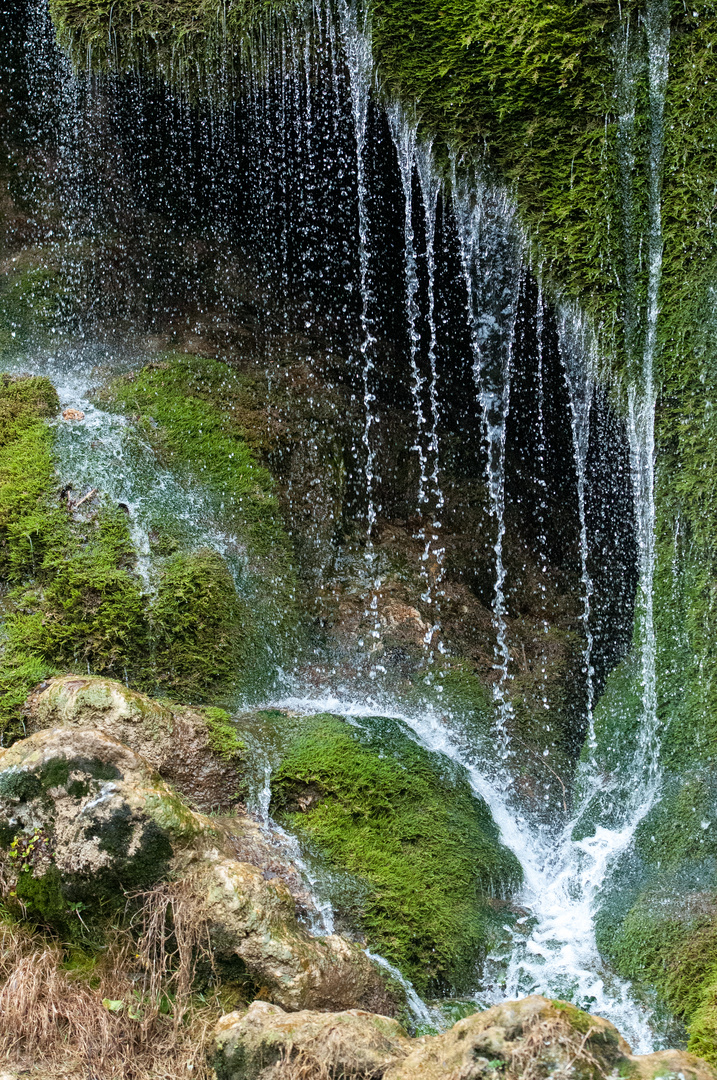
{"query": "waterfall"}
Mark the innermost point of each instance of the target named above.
(577, 355)
(492, 268)
(300, 148)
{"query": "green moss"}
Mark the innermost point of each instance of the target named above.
(223, 736)
(29, 305)
(189, 34)
(42, 898)
(406, 822)
(74, 599)
(199, 626)
(185, 405)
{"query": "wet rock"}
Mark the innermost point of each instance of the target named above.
(532, 1039)
(176, 740)
(253, 918)
(250, 1045)
(538, 1038)
(84, 820)
(73, 414)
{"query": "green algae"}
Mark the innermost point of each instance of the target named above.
(405, 821)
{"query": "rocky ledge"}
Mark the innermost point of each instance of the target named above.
(532, 1039)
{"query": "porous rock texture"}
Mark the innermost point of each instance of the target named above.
(534, 1038)
(84, 820)
(174, 739)
(253, 1045)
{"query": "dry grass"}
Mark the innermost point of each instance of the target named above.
(65, 1021)
(334, 1057)
(543, 1042)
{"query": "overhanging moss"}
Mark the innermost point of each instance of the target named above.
(405, 822)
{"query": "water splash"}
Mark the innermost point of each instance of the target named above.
(552, 951)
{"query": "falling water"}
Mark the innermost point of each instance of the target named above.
(577, 350)
(433, 555)
(357, 46)
(552, 949)
(492, 268)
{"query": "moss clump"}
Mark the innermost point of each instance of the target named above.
(73, 597)
(199, 626)
(406, 822)
(29, 304)
(223, 736)
(188, 33)
(30, 526)
(186, 406)
(93, 610)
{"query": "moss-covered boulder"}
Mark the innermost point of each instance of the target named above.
(247, 1046)
(431, 874)
(82, 820)
(85, 822)
(196, 750)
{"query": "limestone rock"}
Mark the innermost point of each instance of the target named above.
(174, 740)
(532, 1039)
(84, 819)
(249, 1046)
(254, 919)
(81, 818)
(540, 1039)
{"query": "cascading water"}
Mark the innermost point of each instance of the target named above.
(492, 268)
(296, 104)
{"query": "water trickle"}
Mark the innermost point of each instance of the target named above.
(490, 254)
(433, 555)
(357, 48)
(577, 349)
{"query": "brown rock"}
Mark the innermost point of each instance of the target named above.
(73, 414)
(254, 919)
(251, 1045)
(535, 1039)
(174, 740)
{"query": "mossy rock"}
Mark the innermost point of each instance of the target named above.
(197, 750)
(404, 822)
(84, 821)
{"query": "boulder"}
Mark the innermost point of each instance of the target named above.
(254, 919)
(250, 1045)
(84, 820)
(532, 1039)
(176, 740)
(538, 1038)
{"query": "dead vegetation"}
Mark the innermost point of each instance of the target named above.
(551, 1047)
(127, 1012)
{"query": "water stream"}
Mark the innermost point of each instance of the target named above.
(552, 949)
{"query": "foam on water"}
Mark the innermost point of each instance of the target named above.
(552, 951)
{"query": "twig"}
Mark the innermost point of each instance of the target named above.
(86, 497)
